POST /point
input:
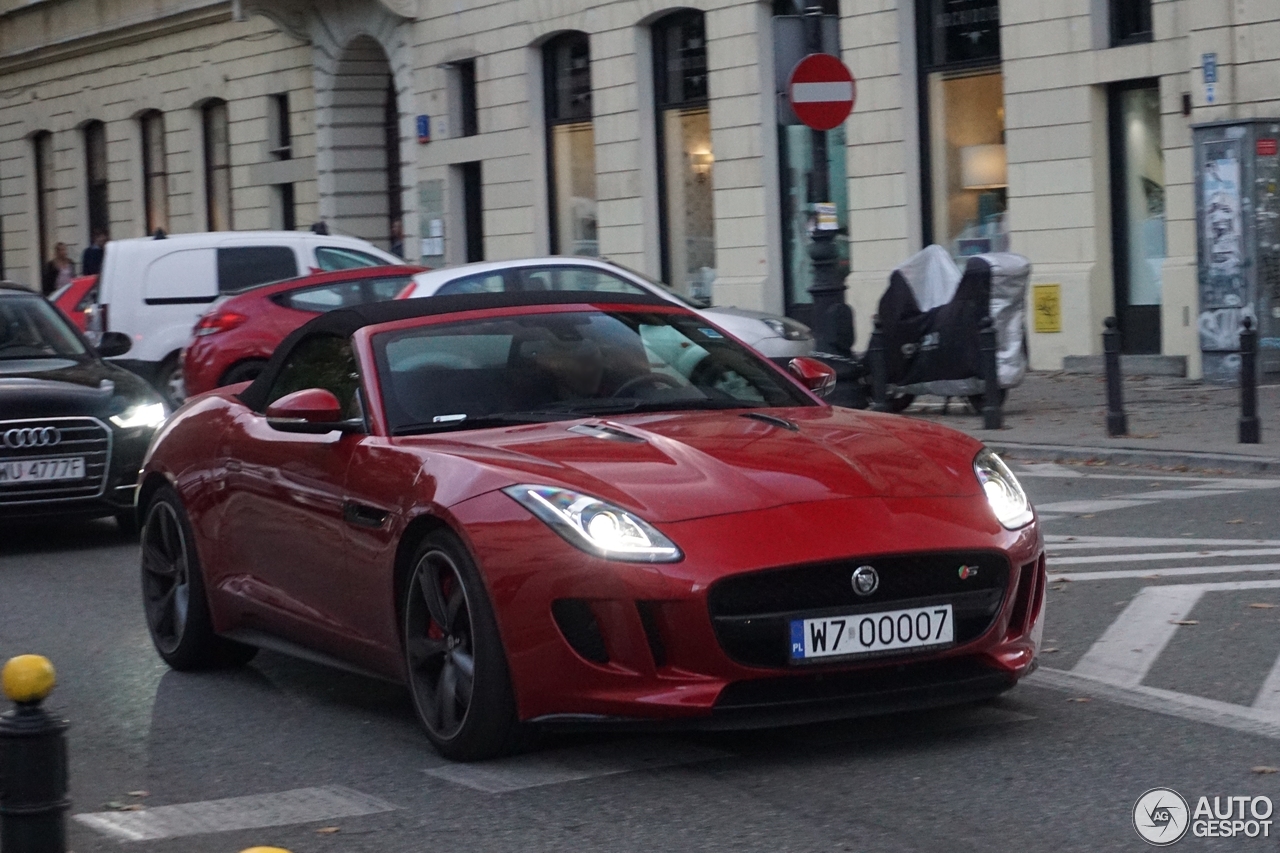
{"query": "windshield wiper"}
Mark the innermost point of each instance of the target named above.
(454, 422)
(611, 407)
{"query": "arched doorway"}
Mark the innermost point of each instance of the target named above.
(367, 188)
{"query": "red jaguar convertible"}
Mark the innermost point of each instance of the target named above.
(568, 508)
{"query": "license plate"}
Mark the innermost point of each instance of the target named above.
(871, 632)
(15, 471)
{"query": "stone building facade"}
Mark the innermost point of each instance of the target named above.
(648, 131)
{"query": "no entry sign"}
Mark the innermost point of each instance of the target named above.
(821, 91)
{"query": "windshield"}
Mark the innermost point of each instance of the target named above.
(32, 328)
(567, 365)
(666, 288)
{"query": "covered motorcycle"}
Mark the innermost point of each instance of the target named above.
(931, 317)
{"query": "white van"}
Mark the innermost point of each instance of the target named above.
(154, 289)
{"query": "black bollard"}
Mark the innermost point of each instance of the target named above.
(33, 765)
(1250, 428)
(992, 417)
(879, 368)
(1117, 423)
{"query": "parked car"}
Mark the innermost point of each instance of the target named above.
(768, 334)
(73, 428)
(154, 289)
(235, 337)
(77, 300)
(535, 508)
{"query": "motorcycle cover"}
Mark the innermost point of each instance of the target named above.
(931, 317)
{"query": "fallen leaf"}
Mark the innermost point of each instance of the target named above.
(139, 793)
(1087, 515)
(1153, 577)
(123, 807)
(1080, 699)
(1236, 521)
(1048, 651)
(1184, 622)
(328, 830)
(1262, 605)
(1264, 769)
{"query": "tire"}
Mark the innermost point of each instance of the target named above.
(169, 381)
(245, 371)
(448, 628)
(977, 401)
(899, 403)
(173, 594)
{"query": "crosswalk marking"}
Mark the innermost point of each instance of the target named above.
(1121, 553)
(1153, 574)
(283, 808)
(1268, 698)
(1062, 542)
(1126, 651)
(1160, 555)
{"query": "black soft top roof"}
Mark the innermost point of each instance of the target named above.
(344, 322)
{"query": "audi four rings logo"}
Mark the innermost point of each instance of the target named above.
(17, 439)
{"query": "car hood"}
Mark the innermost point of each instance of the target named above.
(681, 466)
(64, 387)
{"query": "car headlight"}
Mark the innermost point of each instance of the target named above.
(791, 330)
(1004, 493)
(146, 415)
(595, 526)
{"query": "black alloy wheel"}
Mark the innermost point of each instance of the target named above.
(456, 666)
(173, 595)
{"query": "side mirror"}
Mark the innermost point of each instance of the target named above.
(312, 410)
(817, 377)
(112, 344)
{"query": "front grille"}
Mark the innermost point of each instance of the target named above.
(752, 613)
(85, 437)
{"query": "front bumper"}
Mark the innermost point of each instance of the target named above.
(637, 643)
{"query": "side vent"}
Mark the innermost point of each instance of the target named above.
(578, 624)
(648, 611)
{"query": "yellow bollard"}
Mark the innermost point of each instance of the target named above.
(28, 678)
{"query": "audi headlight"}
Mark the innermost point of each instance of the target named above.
(791, 330)
(1004, 493)
(146, 415)
(595, 526)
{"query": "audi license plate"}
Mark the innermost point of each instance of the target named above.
(871, 632)
(15, 471)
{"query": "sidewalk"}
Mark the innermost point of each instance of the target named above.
(1173, 423)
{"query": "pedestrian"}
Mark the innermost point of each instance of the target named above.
(397, 239)
(91, 260)
(59, 271)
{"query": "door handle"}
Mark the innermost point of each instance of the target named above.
(361, 515)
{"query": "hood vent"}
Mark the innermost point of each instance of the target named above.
(774, 420)
(607, 432)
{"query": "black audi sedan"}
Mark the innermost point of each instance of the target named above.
(73, 428)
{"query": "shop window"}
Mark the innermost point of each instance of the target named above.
(395, 185)
(963, 139)
(217, 165)
(1130, 21)
(468, 112)
(46, 200)
(155, 176)
(1137, 213)
(96, 181)
(571, 145)
(685, 155)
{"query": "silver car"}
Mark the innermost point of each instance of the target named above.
(770, 335)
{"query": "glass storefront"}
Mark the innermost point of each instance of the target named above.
(1138, 213)
(571, 146)
(685, 155)
(800, 180)
(970, 171)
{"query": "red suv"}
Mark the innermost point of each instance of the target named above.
(236, 336)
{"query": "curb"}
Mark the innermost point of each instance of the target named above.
(1177, 459)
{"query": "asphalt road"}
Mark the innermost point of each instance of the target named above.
(1126, 700)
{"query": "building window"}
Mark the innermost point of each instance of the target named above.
(685, 157)
(473, 210)
(96, 182)
(46, 200)
(1130, 21)
(395, 185)
(217, 165)
(155, 176)
(281, 134)
(468, 111)
(962, 101)
(1137, 212)
(571, 145)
